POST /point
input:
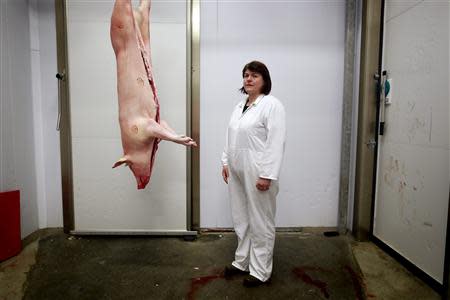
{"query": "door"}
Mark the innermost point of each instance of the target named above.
(303, 45)
(412, 184)
(106, 200)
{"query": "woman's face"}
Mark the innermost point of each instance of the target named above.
(253, 82)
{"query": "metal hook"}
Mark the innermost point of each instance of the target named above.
(60, 77)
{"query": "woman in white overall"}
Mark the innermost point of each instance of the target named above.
(251, 164)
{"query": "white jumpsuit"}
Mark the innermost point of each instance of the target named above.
(254, 148)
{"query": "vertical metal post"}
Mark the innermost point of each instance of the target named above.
(350, 27)
(446, 278)
(65, 128)
(194, 71)
(367, 116)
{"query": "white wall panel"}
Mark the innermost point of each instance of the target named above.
(107, 199)
(37, 109)
(302, 43)
(49, 108)
(45, 106)
(17, 140)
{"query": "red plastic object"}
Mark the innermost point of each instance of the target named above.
(10, 242)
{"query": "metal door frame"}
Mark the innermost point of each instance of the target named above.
(64, 111)
(192, 126)
(193, 118)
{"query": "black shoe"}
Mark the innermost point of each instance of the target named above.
(251, 281)
(231, 271)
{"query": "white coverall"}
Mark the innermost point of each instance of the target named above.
(254, 148)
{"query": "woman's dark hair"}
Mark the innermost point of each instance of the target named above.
(260, 68)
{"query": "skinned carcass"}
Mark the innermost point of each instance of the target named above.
(140, 125)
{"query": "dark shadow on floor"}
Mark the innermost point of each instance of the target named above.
(305, 267)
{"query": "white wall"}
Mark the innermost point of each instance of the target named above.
(45, 98)
(17, 139)
(302, 43)
(29, 143)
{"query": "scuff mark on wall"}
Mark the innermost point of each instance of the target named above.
(431, 124)
(415, 126)
(403, 183)
(411, 106)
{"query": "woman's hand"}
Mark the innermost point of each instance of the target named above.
(263, 184)
(225, 174)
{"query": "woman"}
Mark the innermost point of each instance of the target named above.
(251, 165)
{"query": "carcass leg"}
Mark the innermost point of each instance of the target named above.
(122, 26)
(159, 131)
(142, 16)
(166, 126)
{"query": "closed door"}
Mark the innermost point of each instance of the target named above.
(303, 45)
(106, 199)
(413, 154)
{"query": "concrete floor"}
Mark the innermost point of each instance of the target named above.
(306, 266)
(385, 278)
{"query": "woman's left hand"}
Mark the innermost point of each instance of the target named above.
(263, 184)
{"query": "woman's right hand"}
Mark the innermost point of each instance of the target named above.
(225, 174)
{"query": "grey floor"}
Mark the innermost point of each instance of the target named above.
(306, 266)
